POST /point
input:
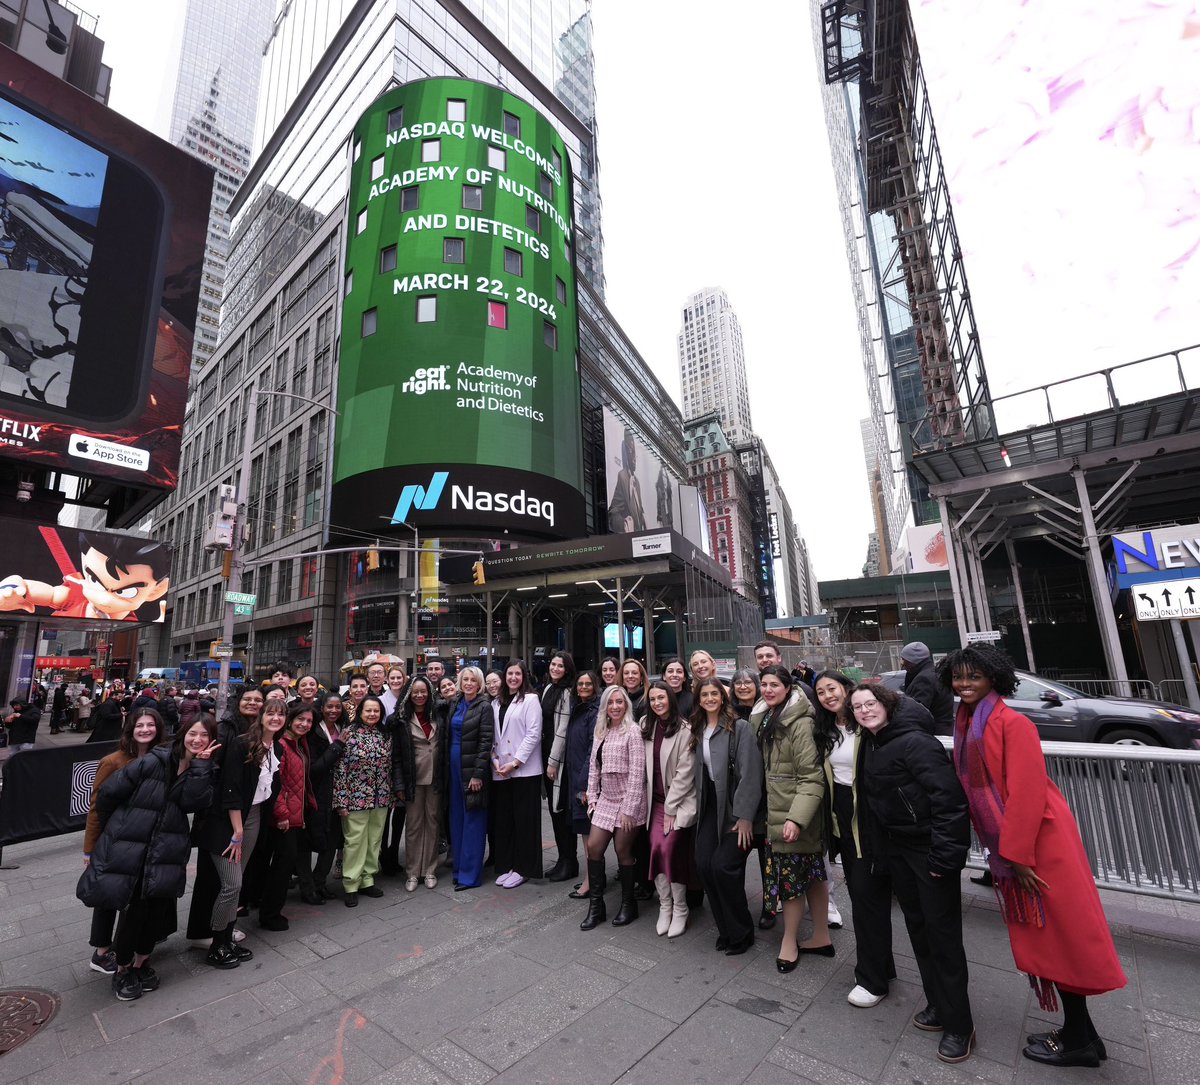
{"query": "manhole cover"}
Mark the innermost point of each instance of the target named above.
(23, 1013)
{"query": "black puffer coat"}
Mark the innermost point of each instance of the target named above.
(913, 797)
(143, 810)
(922, 686)
(478, 730)
(323, 758)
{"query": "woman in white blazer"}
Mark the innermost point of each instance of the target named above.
(516, 810)
(671, 800)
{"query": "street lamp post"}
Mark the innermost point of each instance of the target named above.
(414, 598)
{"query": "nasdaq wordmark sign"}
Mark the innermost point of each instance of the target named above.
(459, 385)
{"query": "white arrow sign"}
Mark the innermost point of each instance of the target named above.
(1162, 599)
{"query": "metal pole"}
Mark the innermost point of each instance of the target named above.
(981, 597)
(1185, 664)
(490, 605)
(414, 615)
(648, 629)
(952, 564)
(235, 551)
(1104, 611)
(1015, 571)
(620, 624)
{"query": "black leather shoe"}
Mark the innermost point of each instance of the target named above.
(766, 921)
(222, 956)
(1051, 1052)
(371, 891)
(722, 943)
(628, 911)
(563, 872)
(351, 900)
(575, 894)
(1036, 1038)
(240, 953)
(786, 966)
(735, 949)
(956, 1047)
(927, 1020)
(819, 951)
(596, 910)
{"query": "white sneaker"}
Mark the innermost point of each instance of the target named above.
(835, 917)
(863, 999)
(239, 935)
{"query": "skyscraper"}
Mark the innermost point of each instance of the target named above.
(712, 366)
(213, 118)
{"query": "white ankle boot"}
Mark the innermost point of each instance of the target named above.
(664, 903)
(679, 916)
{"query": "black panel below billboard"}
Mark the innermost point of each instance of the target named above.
(462, 499)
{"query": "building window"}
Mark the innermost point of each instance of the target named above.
(396, 119)
(387, 259)
(456, 109)
(550, 335)
(357, 154)
(454, 250)
(556, 158)
(497, 159)
(410, 198)
(431, 150)
(546, 186)
(472, 197)
(497, 314)
(376, 168)
(560, 291)
(567, 250)
(362, 221)
(349, 282)
(427, 310)
(514, 262)
(512, 125)
(533, 219)
(369, 322)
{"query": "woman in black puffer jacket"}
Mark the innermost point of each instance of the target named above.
(139, 865)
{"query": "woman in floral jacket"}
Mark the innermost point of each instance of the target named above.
(362, 796)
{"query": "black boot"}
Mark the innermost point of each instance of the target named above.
(629, 908)
(596, 912)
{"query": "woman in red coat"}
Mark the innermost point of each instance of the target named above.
(1043, 880)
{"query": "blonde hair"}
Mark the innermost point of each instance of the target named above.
(706, 655)
(475, 673)
(602, 711)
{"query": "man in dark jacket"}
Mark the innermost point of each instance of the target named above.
(922, 685)
(22, 724)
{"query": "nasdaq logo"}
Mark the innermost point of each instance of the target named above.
(420, 497)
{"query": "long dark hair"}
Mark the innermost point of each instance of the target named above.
(650, 720)
(770, 722)
(726, 717)
(297, 708)
(507, 698)
(825, 723)
(406, 708)
(256, 749)
(128, 744)
(568, 661)
(210, 725)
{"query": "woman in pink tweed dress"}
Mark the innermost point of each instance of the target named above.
(616, 797)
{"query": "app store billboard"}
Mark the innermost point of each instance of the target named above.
(459, 388)
(102, 234)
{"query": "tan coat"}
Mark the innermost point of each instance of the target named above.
(678, 767)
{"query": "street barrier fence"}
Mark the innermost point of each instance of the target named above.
(1138, 809)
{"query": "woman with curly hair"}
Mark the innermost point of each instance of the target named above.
(1042, 877)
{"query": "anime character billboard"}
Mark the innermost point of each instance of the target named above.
(58, 572)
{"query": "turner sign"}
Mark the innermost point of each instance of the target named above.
(1156, 554)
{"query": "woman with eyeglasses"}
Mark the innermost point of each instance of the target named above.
(1043, 880)
(839, 741)
(918, 814)
(744, 692)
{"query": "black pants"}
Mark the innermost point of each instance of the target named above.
(204, 896)
(870, 901)
(722, 867)
(278, 849)
(933, 914)
(516, 821)
(103, 921)
(564, 831)
(389, 849)
(139, 926)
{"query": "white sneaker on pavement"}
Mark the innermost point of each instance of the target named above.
(863, 999)
(835, 916)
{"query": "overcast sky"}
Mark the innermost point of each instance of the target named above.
(714, 171)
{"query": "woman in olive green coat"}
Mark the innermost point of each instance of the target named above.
(795, 868)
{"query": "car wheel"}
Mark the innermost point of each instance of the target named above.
(1130, 738)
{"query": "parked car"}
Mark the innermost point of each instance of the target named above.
(1064, 714)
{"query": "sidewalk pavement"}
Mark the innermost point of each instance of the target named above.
(501, 985)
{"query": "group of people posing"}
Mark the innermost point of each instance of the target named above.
(684, 775)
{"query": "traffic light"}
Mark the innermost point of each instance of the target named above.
(477, 572)
(372, 560)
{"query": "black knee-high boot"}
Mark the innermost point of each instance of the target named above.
(596, 911)
(629, 908)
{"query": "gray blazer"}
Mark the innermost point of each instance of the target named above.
(748, 765)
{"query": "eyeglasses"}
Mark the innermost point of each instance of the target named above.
(859, 705)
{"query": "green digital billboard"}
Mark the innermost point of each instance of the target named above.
(458, 389)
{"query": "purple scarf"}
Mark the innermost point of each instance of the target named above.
(1017, 905)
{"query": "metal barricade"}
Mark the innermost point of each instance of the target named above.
(1173, 690)
(1138, 810)
(1112, 687)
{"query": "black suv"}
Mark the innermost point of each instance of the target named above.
(1063, 714)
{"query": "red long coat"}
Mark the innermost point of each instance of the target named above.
(1075, 948)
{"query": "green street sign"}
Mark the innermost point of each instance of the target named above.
(240, 597)
(243, 608)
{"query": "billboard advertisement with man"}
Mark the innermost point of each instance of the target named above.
(102, 234)
(458, 390)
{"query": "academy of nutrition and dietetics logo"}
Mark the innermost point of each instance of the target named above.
(428, 379)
